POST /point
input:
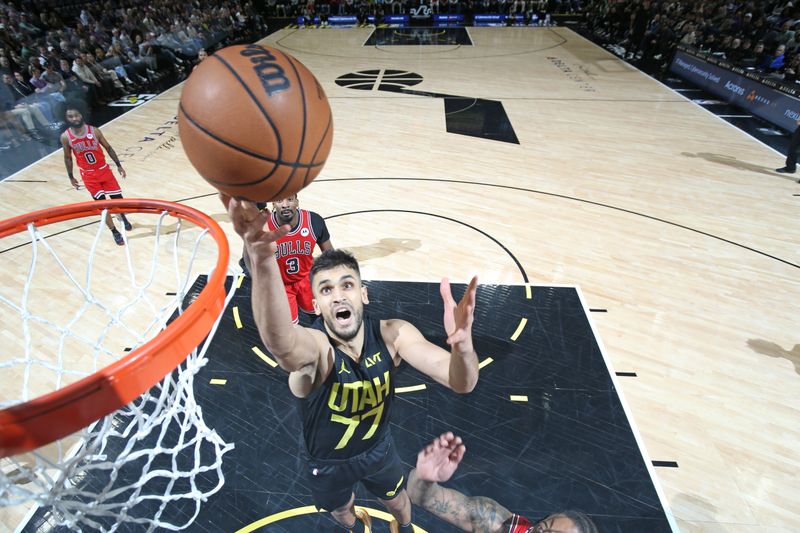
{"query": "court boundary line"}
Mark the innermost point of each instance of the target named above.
(684, 97)
(629, 415)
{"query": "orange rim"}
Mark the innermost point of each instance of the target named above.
(55, 415)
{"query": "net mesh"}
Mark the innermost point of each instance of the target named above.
(151, 463)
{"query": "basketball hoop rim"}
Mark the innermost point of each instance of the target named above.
(52, 416)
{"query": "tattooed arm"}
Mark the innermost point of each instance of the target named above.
(476, 514)
(437, 462)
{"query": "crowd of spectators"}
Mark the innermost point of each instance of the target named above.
(312, 10)
(100, 51)
(763, 36)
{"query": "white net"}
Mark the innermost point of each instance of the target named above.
(151, 463)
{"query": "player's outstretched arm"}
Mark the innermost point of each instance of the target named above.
(436, 463)
(458, 369)
(294, 347)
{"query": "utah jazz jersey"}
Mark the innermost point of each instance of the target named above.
(295, 249)
(349, 413)
(88, 152)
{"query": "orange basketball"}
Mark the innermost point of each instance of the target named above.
(255, 122)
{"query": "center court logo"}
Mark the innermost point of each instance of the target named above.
(379, 79)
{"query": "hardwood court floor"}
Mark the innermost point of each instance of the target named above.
(665, 216)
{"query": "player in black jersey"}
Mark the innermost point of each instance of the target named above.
(342, 370)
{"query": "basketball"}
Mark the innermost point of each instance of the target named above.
(255, 122)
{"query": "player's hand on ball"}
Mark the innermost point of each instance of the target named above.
(458, 318)
(250, 223)
(439, 460)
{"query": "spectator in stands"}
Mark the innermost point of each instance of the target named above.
(75, 88)
(762, 58)
(308, 14)
(745, 53)
(793, 46)
(53, 40)
(639, 21)
(109, 77)
(125, 72)
(21, 110)
(787, 32)
(734, 51)
(24, 90)
(792, 70)
(5, 65)
(134, 67)
(54, 80)
(95, 89)
(776, 62)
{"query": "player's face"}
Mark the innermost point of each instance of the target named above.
(74, 118)
(285, 209)
(555, 523)
(339, 297)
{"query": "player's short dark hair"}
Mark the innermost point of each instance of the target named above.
(581, 521)
(75, 105)
(334, 258)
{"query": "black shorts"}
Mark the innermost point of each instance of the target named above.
(379, 469)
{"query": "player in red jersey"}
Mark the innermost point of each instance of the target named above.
(295, 250)
(438, 461)
(87, 142)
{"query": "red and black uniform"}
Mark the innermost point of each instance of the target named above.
(95, 172)
(295, 257)
(518, 524)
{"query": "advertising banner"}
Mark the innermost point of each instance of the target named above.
(744, 89)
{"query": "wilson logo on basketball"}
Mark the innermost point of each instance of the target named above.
(272, 75)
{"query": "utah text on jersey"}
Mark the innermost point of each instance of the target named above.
(361, 401)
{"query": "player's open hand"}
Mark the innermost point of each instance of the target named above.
(251, 223)
(458, 318)
(439, 460)
(122, 171)
(75, 184)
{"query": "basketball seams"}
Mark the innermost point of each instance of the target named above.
(242, 149)
(220, 140)
(257, 102)
(219, 149)
(289, 179)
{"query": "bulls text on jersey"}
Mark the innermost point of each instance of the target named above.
(293, 247)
